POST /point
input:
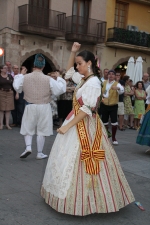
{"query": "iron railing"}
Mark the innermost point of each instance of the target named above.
(42, 21)
(85, 30)
(128, 37)
(142, 1)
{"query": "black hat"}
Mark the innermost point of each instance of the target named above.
(112, 71)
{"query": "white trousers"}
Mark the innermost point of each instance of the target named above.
(40, 143)
(37, 119)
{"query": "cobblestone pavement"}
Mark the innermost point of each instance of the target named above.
(20, 182)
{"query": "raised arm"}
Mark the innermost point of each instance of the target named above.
(74, 49)
(58, 86)
(18, 81)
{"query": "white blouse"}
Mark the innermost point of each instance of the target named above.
(89, 92)
(75, 76)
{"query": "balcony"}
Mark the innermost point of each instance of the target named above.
(146, 2)
(121, 38)
(89, 31)
(44, 22)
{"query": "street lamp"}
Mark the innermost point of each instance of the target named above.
(1, 51)
(2, 55)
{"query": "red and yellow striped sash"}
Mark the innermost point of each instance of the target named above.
(90, 155)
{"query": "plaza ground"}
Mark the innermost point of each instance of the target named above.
(20, 182)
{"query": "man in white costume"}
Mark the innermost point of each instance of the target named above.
(37, 117)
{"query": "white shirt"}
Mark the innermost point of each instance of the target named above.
(102, 79)
(57, 87)
(108, 87)
(148, 95)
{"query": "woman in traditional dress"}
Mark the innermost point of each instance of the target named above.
(139, 104)
(143, 137)
(83, 174)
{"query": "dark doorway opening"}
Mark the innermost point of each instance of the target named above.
(28, 63)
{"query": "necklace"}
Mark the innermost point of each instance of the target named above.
(5, 77)
(85, 79)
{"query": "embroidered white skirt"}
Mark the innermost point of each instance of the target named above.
(69, 189)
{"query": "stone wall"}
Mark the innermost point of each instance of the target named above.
(98, 10)
(9, 13)
(62, 6)
(18, 47)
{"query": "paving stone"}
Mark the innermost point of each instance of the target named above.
(20, 183)
(138, 167)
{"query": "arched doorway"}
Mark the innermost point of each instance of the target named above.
(28, 63)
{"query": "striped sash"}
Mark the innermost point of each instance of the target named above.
(90, 155)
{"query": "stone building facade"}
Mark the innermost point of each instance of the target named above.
(114, 30)
(50, 27)
(127, 33)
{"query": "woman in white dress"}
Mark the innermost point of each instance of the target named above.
(83, 174)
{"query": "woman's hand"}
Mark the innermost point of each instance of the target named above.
(17, 96)
(129, 93)
(63, 129)
(80, 116)
(75, 47)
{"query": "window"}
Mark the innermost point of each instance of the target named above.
(39, 12)
(80, 15)
(121, 14)
(81, 8)
(39, 3)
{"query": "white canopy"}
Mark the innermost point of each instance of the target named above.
(130, 68)
(138, 71)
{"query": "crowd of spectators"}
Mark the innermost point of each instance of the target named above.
(62, 105)
(131, 104)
